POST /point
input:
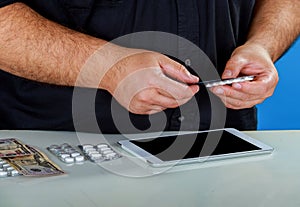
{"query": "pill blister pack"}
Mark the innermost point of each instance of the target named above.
(99, 153)
(95, 153)
(6, 170)
(213, 83)
(66, 153)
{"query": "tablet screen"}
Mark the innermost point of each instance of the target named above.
(194, 146)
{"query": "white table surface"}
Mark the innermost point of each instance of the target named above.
(266, 180)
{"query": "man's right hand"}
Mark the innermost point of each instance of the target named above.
(147, 82)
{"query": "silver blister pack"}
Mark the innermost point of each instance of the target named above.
(66, 153)
(99, 153)
(214, 83)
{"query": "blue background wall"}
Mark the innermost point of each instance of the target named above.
(282, 110)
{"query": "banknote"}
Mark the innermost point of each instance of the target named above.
(37, 164)
(11, 147)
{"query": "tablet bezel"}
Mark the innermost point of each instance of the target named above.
(156, 162)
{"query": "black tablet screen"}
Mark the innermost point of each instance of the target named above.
(194, 145)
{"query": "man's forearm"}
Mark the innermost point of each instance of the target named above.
(38, 49)
(275, 25)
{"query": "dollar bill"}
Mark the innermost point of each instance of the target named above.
(36, 164)
(12, 147)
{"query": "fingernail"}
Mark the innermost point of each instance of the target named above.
(228, 73)
(237, 85)
(219, 91)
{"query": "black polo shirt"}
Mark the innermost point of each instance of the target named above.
(216, 26)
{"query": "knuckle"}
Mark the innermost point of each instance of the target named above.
(143, 97)
(235, 60)
(229, 93)
(181, 68)
(239, 104)
(247, 97)
(169, 103)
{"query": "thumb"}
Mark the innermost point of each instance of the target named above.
(234, 67)
(177, 71)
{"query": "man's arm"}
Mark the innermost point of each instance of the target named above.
(38, 49)
(275, 25)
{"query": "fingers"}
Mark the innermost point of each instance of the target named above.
(168, 101)
(172, 79)
(244, 95)
(174, 89)
(152, 101)
(238, 104)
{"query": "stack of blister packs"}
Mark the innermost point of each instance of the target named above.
(17, 158)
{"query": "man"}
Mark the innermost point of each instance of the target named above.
(45, 44)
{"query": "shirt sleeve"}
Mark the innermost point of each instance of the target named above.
(6, 2)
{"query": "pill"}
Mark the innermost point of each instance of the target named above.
(86, 146)
(5, 166)
(75, 154)
(107, 152)
(99, 146)
(92, 152)
(104, 149)
(89, 149)
(95, 156)
(10, 169)
(14, 173)
(111, 155)
(3, 174)
(68, 160)
(63, 156)
(79, 158)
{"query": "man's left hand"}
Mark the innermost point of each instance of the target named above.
(248, 59)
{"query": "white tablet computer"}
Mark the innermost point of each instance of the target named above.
(194, 147)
